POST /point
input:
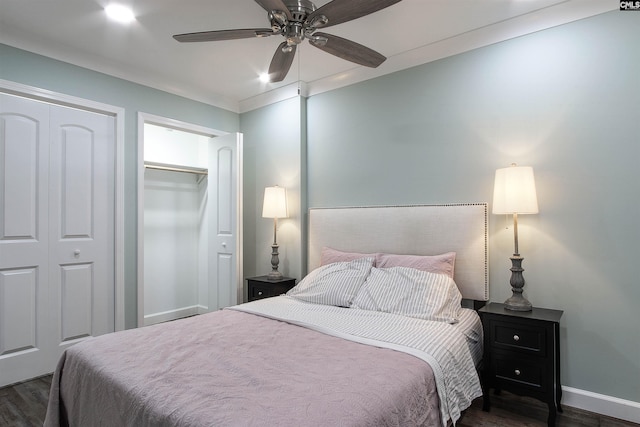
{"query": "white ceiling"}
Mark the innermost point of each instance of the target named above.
(225, 73)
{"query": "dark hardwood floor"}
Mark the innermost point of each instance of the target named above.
(509, 410)
(25, 404)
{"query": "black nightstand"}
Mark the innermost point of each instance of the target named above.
(262, 287)
(522, 354)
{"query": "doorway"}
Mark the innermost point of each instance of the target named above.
(189, 219)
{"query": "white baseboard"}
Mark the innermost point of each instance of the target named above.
(601, 404)
(178, 313)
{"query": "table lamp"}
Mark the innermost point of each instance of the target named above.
(514, 193)
(274, 206)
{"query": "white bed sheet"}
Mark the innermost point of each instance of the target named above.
(471, 327)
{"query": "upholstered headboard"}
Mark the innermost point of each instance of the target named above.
(410, 230)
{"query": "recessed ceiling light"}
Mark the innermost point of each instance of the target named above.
(120, 13)
(264, 78)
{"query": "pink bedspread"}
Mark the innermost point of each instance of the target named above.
(230, 368)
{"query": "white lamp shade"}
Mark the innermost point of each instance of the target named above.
(275, 203)
(514, 191)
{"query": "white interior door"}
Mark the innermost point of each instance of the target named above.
(225, 224)
(57, 275)
(25, 344)
(81, 226)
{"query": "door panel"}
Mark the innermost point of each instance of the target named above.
(225, 278)
(76, 286)
(19, 146)
(76, 181)
(18, 325)
(25, 348)
(225, 202)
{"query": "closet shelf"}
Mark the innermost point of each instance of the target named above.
(176, 168)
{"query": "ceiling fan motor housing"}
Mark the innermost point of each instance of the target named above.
(299, 9)
(295, 29)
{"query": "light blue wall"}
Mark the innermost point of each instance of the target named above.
(34, 70)
(565, 101)
(274, 154)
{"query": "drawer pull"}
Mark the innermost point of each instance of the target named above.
(516, 338)
(259, 292)
(517, 372)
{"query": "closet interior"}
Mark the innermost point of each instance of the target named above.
(175, 223)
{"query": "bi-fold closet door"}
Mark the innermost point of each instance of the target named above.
(190, 223)
(57, 193)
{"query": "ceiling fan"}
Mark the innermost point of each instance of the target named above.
(299, 19)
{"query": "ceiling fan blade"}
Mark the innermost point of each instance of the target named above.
(281, 63)
(347, 49)
(270, 5)
(339, 11)
(211, 36)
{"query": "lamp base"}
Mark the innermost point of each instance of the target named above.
(274, 275)
(517, 302)
(275, 260)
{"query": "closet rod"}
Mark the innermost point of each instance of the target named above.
(186, 169)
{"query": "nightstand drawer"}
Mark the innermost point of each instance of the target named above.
(258, 292)
(265, 287)
(528, 373)
(515, 336)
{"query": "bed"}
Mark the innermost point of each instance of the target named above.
(334, 351)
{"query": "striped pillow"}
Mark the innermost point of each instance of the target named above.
(410, 292)
(333, 284)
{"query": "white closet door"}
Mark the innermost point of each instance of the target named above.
(225, 211)
(25, 343)
(81, 228)
(57, 232)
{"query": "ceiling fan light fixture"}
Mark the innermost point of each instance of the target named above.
(295, 34)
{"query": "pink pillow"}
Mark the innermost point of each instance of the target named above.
(442, 264)
(330, 255)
